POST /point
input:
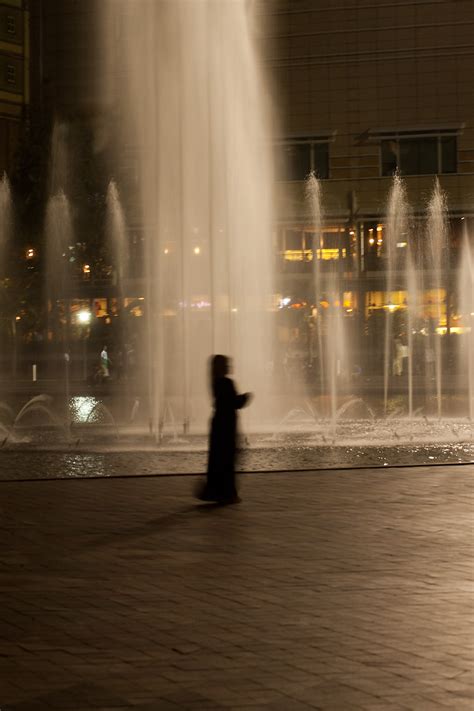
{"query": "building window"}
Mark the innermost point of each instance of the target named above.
(11, 24)
(11, 74)
(296, 158)
(419, 155)
(303, 246)
(449, 149)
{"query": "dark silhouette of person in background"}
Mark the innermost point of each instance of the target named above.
(220, 483)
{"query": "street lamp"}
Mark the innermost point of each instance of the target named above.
(84, 318)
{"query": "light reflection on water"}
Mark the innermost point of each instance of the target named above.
(84, 465)
(82, 407)
(29, 464)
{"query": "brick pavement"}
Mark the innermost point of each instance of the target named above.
(325, 590)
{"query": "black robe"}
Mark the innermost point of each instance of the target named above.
(220, 484)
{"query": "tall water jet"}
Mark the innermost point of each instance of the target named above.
(330, 327)
(6, 216)
(466, 303)
(413, 307)
(196, 113)
(313, 197)
(395, 233)
(437, 234)
(116, 228)
(59, 170)
(6, 226)
(59, 239)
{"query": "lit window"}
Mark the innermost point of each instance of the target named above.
(298, 255)
(86, 269)
(328, 254)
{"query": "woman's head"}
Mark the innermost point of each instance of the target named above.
(220, 367)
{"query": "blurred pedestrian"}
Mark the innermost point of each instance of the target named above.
(220, 484)
(104, 363)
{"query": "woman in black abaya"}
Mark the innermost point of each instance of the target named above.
(220, 484)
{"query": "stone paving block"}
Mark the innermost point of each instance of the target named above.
(334, 590)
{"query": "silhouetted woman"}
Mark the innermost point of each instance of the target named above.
(220, 484)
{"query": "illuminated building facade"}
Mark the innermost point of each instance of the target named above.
(362, 89)
(365, 89)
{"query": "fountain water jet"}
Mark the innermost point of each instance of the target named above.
(59, 172)
(412, 310)
(330, 335)
(6, 228)
(117, 234)
(59, 238)
(6, 216)
(466, 302)
(395, 233)
(313, 196)
(196, 111)
(437, 234)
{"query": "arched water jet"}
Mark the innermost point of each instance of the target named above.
(352, 403)
(39, 404)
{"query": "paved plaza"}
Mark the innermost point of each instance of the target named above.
(321, 590)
